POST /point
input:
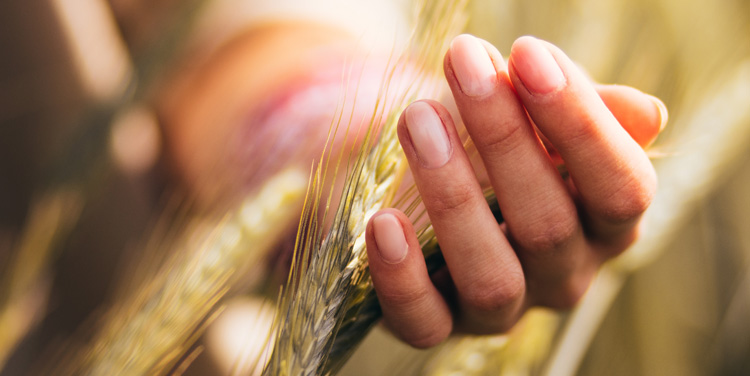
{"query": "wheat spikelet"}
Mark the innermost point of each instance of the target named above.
(322, 311)
(154, 327)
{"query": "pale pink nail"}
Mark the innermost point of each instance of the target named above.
(537, 68)
(473, 67)
(428, 135)
(390, 239)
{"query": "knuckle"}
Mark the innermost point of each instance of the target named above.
(579, 132)
(550, 234)
(631, 200)
(426, 338)
(497, 295)
(402, 298)
(456, 198)
(501, 139)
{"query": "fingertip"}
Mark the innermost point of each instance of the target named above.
(412, 307)
(495, 55)
(535, 66)
(663, 112)
(389, 239)
(520, 42)
(473, 66)
(427, 135)
(642, 115)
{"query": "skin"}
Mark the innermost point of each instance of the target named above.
(557, 232)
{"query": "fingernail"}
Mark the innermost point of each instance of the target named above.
(536, 66)
(663, 113)
(390, 239)
(472, 65)
(427, 134)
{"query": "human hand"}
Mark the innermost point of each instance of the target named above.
(556, 232)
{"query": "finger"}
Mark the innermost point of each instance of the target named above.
(611, 172)
(484, 268)
(412, 307)
(643, 116)
(541, 217)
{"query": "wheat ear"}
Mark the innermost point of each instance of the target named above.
(330, 280)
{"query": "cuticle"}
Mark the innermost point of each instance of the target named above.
(447, 136)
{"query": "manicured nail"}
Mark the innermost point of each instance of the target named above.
(536, 66)
(390, 239)
(473, 67)
(427, 134)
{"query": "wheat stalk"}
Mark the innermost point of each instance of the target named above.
(153, 328)
(23, 283)
(520, 352)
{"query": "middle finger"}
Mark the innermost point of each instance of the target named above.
(540, 214)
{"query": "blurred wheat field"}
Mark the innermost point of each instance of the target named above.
(675, 304)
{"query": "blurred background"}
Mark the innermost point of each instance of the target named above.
(90, 161)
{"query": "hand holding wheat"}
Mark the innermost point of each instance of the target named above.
(556, 232)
